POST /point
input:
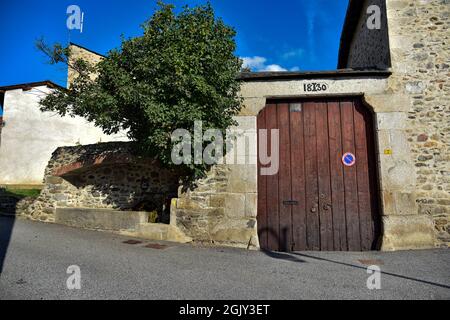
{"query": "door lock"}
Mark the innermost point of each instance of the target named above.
(290, 203)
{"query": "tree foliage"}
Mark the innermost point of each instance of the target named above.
(181, 70)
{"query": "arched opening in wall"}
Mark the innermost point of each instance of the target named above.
(325, 195)
(136, 186)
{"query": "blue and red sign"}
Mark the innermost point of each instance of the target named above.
(349, 159)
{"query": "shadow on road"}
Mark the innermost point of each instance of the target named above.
(365, 269)
(6, 228)
(283, 256)
(291, 256)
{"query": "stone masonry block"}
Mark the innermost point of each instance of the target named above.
(397, 174)
(408, 232)
(396, 140)
(100, 219)
(391, 120)
(399, 203)
(235, 205)
(243, 179)
(384, 103)
(251, 205)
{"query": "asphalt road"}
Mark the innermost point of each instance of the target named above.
(38, 255)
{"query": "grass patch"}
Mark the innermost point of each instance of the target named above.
(22, 193)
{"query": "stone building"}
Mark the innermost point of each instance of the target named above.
(79, 52)
(400, 73)
(364, 150)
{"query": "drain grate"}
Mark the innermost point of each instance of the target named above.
(156, 246)
(373, 262)
(133, 242)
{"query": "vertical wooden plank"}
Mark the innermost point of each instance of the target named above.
(273, 220)
(362, 168)
(284, 179)
(323, 163)
(350, 178)
(312, 201)
(337, 177)
(262, 190)
(298, 180)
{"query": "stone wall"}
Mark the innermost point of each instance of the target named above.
(222, 208)
(103, 176)
(403, 227)
(418, 90)
(77, 52)
(419, 34)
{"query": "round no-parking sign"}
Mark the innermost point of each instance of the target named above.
(349, 159)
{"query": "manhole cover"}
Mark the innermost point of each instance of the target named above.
(132, 242)
(156, 246)
(373, 262)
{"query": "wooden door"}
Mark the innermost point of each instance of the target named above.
(318, 200)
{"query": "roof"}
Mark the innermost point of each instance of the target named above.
(28, 86)
(343, 73)
(247, 77)
(354, 10)
(84, 48)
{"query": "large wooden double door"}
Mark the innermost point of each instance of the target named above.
(320, 200)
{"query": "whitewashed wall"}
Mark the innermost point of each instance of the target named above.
(30, 136)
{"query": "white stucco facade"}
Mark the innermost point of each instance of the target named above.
(30, 136)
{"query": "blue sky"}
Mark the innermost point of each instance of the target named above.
(272, 35)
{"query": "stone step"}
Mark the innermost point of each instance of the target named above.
(101, 219)
(159, 232)
(129, 223)
(153, 231)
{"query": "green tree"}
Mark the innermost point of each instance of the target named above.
(181, 70)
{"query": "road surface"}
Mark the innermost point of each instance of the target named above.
(36, 257)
